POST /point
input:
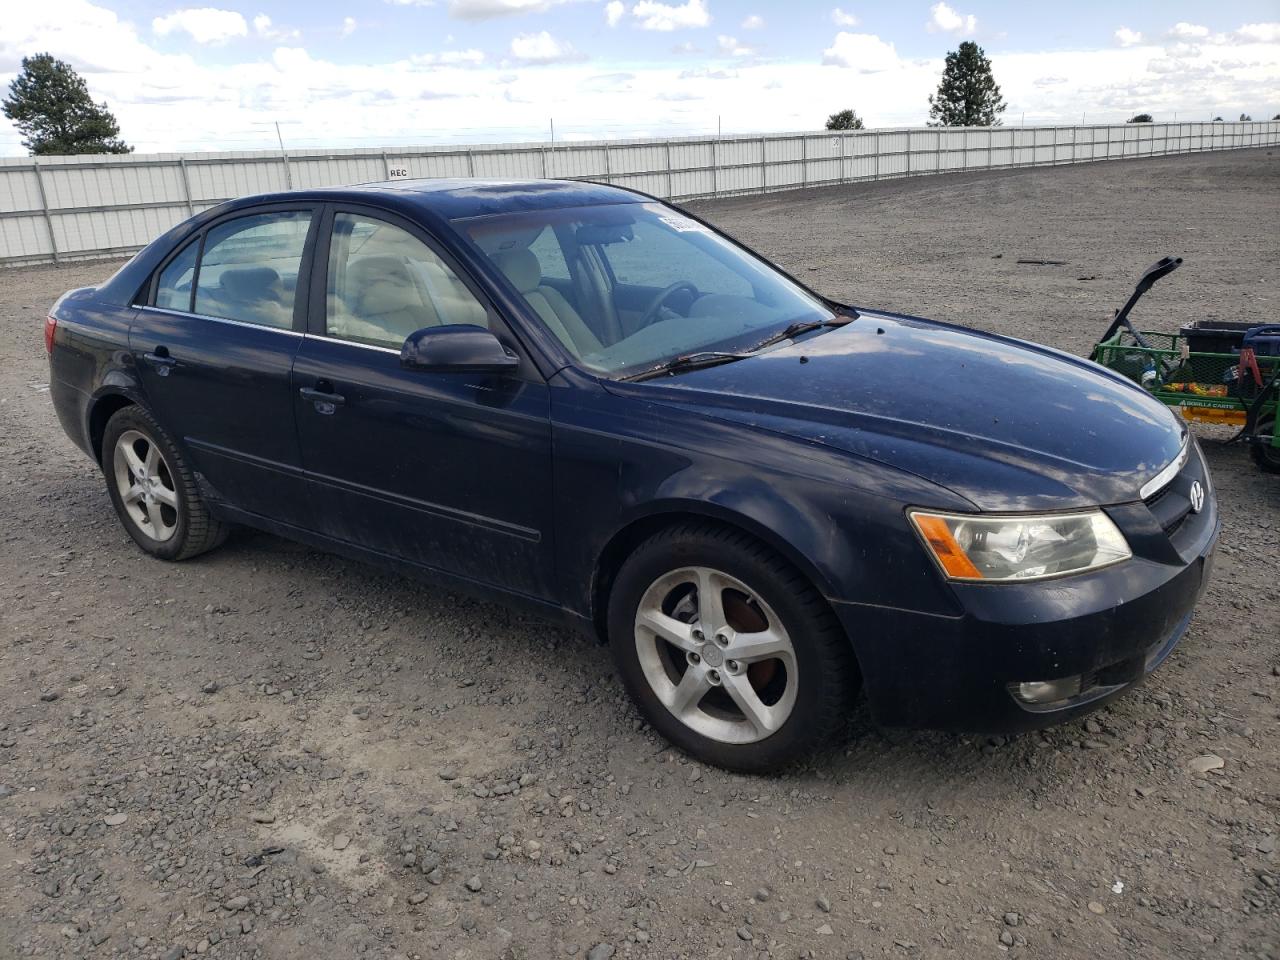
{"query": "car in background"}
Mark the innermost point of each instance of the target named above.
(580, 399)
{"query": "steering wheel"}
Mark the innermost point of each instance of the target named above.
(651, 311)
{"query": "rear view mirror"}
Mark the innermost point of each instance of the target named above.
(457, 347)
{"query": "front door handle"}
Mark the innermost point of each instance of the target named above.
(326, 401)
(161, 361)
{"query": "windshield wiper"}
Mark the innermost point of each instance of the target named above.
(688, 361)
(799, 327)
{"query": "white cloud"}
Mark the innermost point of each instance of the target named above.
(450, 58)
(1260, 32)
(348, 26)
(614, 11)
(541, 47)
(863, 52)
(1128, 38)
(1189, 31)
(665, 16)
(264, 28)
(753, 22)
(195, 100)
(203, 24)
(731, 47)
(490, 9)
(943, 19)
(842, 19)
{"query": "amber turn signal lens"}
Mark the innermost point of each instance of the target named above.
(938, 536)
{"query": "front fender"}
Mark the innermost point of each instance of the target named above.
(623, 466)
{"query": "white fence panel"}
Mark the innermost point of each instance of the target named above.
(58, 208)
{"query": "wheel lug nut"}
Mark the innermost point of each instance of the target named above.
(694, 658)
(714, 676)
(732, 665)
(698, 635)
(722, 639)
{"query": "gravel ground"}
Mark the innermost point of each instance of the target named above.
(272, 752)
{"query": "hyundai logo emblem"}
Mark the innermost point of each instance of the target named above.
(1197, 496)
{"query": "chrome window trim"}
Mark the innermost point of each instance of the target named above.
(351, 343)
(1165, 476)
(235, 323)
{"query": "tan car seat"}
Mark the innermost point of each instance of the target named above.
(380, 292)
(525, 273)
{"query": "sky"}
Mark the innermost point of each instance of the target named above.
(340, 73)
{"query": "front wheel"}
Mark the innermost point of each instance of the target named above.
(153, 490)
(1266, 454)
(728, 651)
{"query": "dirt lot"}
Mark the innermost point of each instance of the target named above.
(270, 752)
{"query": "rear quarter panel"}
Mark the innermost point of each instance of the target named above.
(90, 359)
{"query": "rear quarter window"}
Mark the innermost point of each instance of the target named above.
(173, 286)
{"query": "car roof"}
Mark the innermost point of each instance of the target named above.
(453, 198)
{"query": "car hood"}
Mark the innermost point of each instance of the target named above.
(1006, 424)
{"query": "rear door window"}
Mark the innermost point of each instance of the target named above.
(249, 268)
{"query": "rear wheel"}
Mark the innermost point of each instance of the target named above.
(729, 652)
(153, 490)
(1267, 455)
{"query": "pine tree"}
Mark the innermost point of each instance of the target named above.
(50, 105)
(968, 95)
(844, 120)
(1143, 118)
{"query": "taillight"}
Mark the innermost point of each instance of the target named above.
(50, 327)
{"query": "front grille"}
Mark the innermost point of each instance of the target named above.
(1171, 504)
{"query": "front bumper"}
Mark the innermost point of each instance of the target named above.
(1111, 627)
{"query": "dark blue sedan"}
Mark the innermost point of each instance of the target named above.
(592, 403)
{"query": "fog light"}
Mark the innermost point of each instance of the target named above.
(1048, 691)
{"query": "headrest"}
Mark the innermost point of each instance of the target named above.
(377, 285)
(521, 267)
(251, 283)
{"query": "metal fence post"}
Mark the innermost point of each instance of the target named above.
(715, 168)
(608, 165)
(670, 186)
(471, 164)
(844, 174)
(876, 175)
(804, 161)
(186, 185)
(288, 173)
(908, 173)
(764, 170)
(44, 206)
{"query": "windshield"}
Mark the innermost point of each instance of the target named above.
(629, 286)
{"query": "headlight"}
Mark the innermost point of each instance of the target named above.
(1020, 547)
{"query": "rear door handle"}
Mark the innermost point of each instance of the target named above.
(326, 401)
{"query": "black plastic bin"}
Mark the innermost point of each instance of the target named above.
(1215, 336)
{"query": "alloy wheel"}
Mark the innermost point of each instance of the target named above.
(146, 487)
(716, 655)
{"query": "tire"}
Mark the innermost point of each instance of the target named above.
(1266, 456)
(153, 489)
(792, 654)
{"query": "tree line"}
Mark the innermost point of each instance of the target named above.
(50, 105)
(967, 96)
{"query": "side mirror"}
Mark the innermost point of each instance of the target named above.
(457, 347)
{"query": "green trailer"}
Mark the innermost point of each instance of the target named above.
(1210, 372)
